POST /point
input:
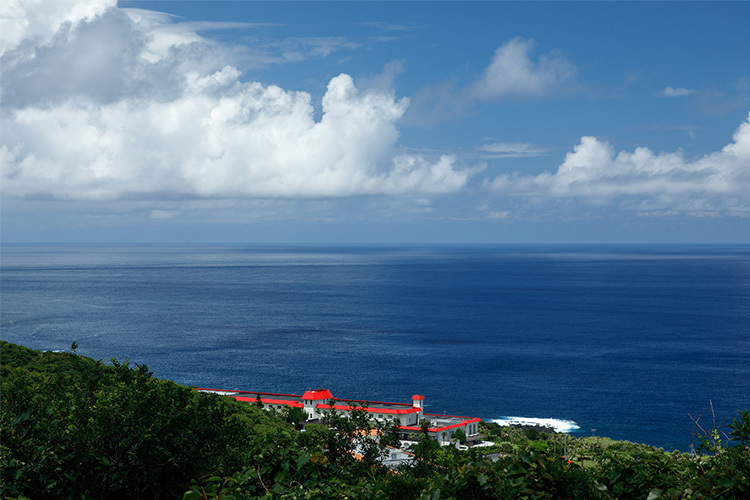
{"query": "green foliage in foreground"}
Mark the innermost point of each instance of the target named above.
(77, 428)
(73, 427)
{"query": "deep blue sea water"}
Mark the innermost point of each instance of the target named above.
(626, 340)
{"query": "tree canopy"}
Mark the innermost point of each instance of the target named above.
(73, 427)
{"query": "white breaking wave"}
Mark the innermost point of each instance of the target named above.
(556, 424)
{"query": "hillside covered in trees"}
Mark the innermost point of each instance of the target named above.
(73, 427)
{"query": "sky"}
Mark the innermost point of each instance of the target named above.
(374, 122)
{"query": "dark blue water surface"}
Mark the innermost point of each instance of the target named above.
(626, 340)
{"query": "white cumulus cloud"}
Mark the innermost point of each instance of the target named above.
(644, 179)
(40, 20)
(513, 72)
(100, 103)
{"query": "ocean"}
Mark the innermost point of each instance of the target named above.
(624, 341)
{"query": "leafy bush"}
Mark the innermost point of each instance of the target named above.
(74, 427)
(726, 472)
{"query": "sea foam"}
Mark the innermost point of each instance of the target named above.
(556, 424)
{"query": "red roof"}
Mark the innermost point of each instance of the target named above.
(317, 394)
(325, 394)
(294, 404)
(393, 411)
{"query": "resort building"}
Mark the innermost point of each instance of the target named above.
(408, 417)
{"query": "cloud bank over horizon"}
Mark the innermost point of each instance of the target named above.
(102, 103)
(643, 180)
(101, 106)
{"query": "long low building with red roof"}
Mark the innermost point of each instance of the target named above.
(408, 417)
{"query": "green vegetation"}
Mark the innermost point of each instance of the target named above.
(73, 427)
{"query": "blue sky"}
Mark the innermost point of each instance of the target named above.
(371, 122)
